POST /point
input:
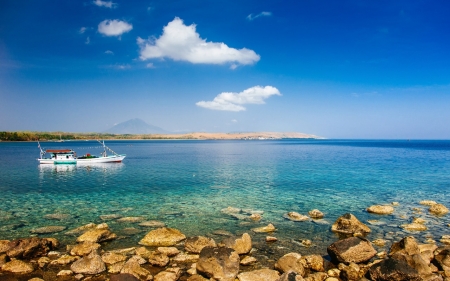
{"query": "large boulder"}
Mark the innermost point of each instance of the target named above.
(291, 262)
(350, 272)
(442, 259)
(393, 270)
(348, 224)
(314, 262)
(97, 236)
(84, 248)
(269, 228)
(91, 264)
(381, 209)
(220, 263)
(352, 249)
(18, 267)
(242, 245)
(112, 258)
(163, 236)
(407, 245)
(158, 259)
(30, 247)
(438, 209)
(264, 274)
(133, 267)
(197, 243)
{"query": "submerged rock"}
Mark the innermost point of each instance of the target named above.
(427, 202)
(381, 209)
(57, 216)
(438, 209)
(152, 223)
(269, 228)
(131, 219)
(350, 225)
(315, 214)
(162, 237)
(97, 236)
(414, 227)
(48, 229)
(110, 217)
(81, 229)
(294, 216)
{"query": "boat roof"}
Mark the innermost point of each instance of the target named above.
(59, 151)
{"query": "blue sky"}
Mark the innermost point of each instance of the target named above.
(338, 69)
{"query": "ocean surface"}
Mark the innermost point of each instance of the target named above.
(186, 184)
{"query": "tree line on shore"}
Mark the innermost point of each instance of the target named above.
(55, 136)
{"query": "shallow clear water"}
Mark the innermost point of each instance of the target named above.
(186, 184)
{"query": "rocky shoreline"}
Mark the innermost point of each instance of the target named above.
(166, 254)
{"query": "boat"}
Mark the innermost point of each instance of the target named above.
(68, 156)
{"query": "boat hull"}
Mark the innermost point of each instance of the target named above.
(57, 161)
(107, 159)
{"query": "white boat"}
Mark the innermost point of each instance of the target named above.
(68, 156)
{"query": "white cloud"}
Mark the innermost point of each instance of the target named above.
(233, 101)
(108, 52)
(234, 121)
(114, 27)
(82, 30)
(87, 41)
(150, 65)
(107, 4)
(262, 14)
(182, 43)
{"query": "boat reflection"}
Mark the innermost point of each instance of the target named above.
(110, 167)
(62, 168)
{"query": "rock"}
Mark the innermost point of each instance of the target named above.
(63, 260)
(255, 217)
(350, 272)
(65, 272)
(350, 225)
(125, 251)
(110, 217)
(294, 216)
(427, 247)
(170, 274)
(131, 219)
(185, 258)
(84, 248)
(112, 258)
(30, 247)
(442, 259)
(268, 228)
(315, 214)
(152, 223)
(18, 267)
(123, 277)
(306, 242)
(445, 239)
(91, 264)
(36, 279)
(379, 242)
(158, 259)
(291, 262)
(407, 246)
(43, 261)
(81, 229)
(116, 267)
(271, 239)
(138, 259)
(353, 249)
(134, 268)
(97, 236)
(130, 231)
(231, 210)
(438, 209)
(415, 261)
(197, 243)
(3, 260)
(169, 251)
(48, 229)
(222, 232)
(317, 276)
(57, 216)
(264, 274)
(393, 270)
(197, 277)
(162, 237)
(143, 252)
(248, 260)
(4, 246)
(314, 262)
(419, 220)
(427, 202)
(219, 262)
(290, 276)
(414, 227)
(334, 272)
(381, 209)
(242, 245)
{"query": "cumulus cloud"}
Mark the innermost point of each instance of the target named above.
(262, 14)
(109, 52)
(107, 4)
(150, 65)
(114, 27)
(234, 101)
(182, 43)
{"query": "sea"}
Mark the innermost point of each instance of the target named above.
(189, 184)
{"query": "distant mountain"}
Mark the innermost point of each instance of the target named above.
(135, 127)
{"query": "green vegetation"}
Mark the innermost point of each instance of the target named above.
(55, 136)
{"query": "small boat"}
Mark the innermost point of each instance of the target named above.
(68, 156)
(57, 156)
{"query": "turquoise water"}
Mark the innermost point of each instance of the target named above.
(186, 184)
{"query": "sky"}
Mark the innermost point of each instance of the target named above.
(336, 69)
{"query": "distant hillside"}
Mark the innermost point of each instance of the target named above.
(135, 127)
